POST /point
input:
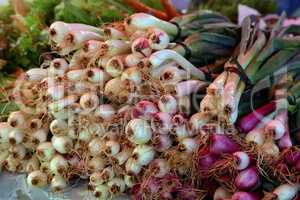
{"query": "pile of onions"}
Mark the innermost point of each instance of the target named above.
(115, 108)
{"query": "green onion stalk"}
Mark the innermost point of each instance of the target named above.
(229, 91)
(258, 58)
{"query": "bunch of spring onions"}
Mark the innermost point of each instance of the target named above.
(114, 107)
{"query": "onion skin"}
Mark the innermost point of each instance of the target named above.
(222, 144)
(244, 196)
(249, 122)
(247, 179)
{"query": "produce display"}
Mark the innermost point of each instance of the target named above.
(192, 108)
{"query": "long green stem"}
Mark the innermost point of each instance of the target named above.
(273, 64)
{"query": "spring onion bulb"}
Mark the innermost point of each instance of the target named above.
(141, 45)
(123, 156)
(133, 59)
(58, 165)
(96, 163)
(116, 185)
(101, 192)
(12, 164)
(89, 101)
(115, 66)
(58, 127)
(17, 119)
(138, 131)
(39, 136)
(62, 144)
(58, 67)
(107, 174)
(143, 154)
(95, 178)
(105, 111)
(167, 104)
(95, 146)
(96, 75)
(58, 183)
(37, 179)
(85, 136)
(16, 136)
(129, 181)
(159, 39)
(75, 40)
(113, 88)
(35, 124)
(18, 151)
(132, 74)
(161, 123)
(45, 151)
(243, 160)
(159, 57)
(112, 48)
(133, 167)
(5, 129)
(112, 147)
(173, 75)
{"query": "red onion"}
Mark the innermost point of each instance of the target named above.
(249, 122)
(247, 179)
(222, 144)
(206, 159)
(244, 196)
(297, 166)
(291, 157)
